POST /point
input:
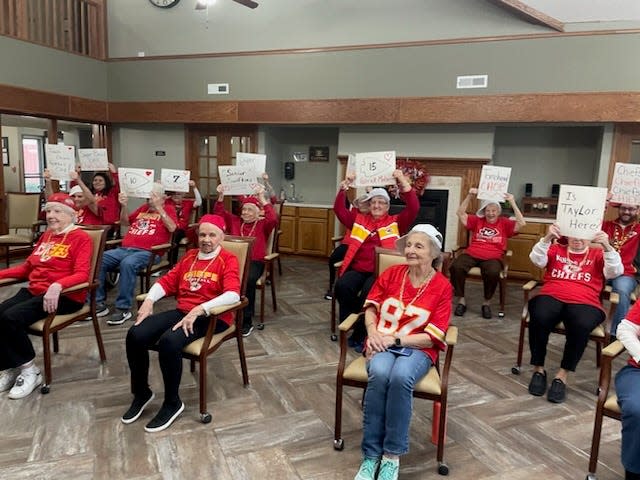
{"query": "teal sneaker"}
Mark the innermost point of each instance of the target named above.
(368, 469)
(389, 469)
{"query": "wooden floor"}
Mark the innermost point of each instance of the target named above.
(281, 427)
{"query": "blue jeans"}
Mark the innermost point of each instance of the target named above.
(388, 401)
(623, 286)
(130, 261)
(628, 391)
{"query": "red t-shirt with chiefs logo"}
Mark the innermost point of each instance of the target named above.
(488, 241)
(625, 239)
(147, 228)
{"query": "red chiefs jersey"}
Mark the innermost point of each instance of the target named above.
(64, 258)
(193, 281)
(147, 229)
(488, 241)
(574, 278)
(183, 211)
(625, 240)
(633, 316)
(427, 313)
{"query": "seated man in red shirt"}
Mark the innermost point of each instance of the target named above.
(151, 224)
(204, 278)
(488, 235)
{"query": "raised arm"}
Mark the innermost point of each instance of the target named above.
(520, 222)
(345, 215)
(410, 198)
(462, 209)
(88, 195)
(538, 255)
(612, 262)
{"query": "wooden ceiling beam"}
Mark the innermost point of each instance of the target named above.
(529, 13)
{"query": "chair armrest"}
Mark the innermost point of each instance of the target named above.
(113, 242)
(509, 253)
(338, 264)
(613, 349)
(141, 298)
(227, 308)
(271, 257)
(11, 281)
(348, 322)
(452, 336)
(614, 297)
(193, 225)
(337, 238)
(530, 285)
(75, 288)
(162, 246)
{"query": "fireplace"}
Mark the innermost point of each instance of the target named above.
(433, 210)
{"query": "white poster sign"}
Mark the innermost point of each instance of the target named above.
(625, 186)
(580, 210)
(237, 180)
(351, 165)
(375, 169)
(136, 182)
(93, 159)
(61, 159)
(175, 180)
(494, 183)
(252, 161)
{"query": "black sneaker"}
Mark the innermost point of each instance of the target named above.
(137, 407)
(246, 330)
(460, 309)
(557, 392)
(328, 295)
(486, 311)
(119, 317)
(538, 384)
(164, 418)
(101, 310)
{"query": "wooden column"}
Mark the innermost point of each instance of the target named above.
(52, 139)
(3, 217)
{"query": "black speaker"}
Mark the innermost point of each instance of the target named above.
(289, 170)
(528, 189)
(555, 190)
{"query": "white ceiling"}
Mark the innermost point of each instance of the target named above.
(579, 11)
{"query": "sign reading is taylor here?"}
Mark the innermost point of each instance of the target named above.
(580, 210)
(625, 186)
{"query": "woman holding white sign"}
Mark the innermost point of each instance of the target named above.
(574, 277)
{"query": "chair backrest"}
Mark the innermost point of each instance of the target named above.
(241, 248)
(22, 209)
(271, 242)
(98, 236)
(386, 258)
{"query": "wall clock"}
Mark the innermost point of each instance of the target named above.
(164, 3)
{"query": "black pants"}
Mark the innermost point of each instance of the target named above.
(336, 256)
(16, 314)
(351, 291)
(178, 235)
(579, 320)
(255, 271)
(157, 329)
(490, 274)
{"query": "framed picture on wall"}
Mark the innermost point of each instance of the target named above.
(319, 154)
(5, 150)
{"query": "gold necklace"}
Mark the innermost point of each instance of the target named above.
(619, 240)
(194, 282)
(253, 229)
(421, 288)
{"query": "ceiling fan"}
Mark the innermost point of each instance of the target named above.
(203, 4)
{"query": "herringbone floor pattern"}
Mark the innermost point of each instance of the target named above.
(282, 426)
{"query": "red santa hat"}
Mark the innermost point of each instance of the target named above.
(215, 220)
(63, 200)
(252, 201)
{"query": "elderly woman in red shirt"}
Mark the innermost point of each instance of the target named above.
(60, 259)
(574, 277)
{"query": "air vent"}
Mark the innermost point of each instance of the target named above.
(472, 81)
(218, 88)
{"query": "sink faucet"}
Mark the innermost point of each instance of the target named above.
(292, 189)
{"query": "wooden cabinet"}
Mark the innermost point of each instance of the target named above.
(306, 230)
(520, 266)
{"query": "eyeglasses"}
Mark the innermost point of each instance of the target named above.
(628, 209)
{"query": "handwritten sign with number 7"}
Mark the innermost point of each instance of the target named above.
(175, 180)
(374, 169)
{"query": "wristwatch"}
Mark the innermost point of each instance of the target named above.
(398, 343)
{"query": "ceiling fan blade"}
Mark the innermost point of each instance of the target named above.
(247, 3)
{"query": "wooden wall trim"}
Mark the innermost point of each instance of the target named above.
(530, 13)
(377, 46)
(618, 107)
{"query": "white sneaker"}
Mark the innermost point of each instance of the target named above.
(25, 384)
(8, 378)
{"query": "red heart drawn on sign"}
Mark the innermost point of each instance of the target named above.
(148, 173)
(388, 156)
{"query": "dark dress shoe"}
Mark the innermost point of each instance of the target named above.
(486, 311)
(460, 309)
(538, 384)
(557, 392)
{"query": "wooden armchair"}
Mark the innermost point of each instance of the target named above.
(476, 274)
(599, 335)
(433, 386)
(606, 405)
(267, 277)
(22, 219)
(199, 350)
(53, 323)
